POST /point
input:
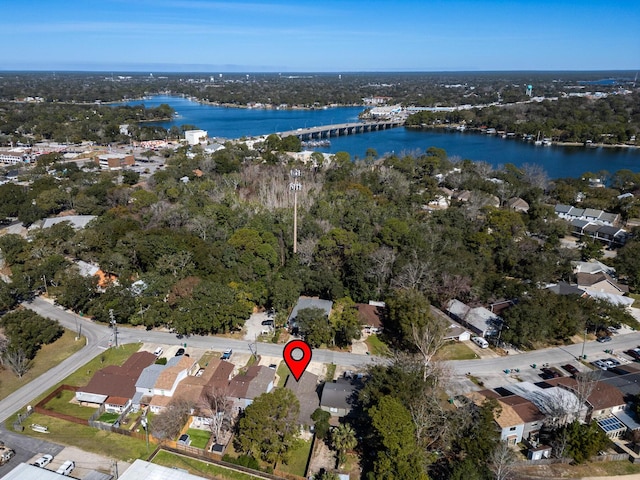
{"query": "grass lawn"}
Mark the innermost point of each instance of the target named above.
(455, 351)
(62, 404)
(108, 417)
(298, 459)
(206, 358)
(283, 372)
(197, 467)
(331, 372)
(377, 346)
(48, 356)
(89, 439)
(199, 438)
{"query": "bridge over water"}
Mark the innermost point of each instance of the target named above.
(342, 129)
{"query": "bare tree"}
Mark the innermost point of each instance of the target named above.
(502, 461)
(535, 175)
(217, 408)
(17, 361)
(168, 423)
(382, 264)
(585, 383)
(428, 339)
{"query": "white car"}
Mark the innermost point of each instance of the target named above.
(43, 461)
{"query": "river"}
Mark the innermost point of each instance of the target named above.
(557, 161)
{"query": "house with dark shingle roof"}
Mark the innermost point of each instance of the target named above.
(338, 397)
(115, 381)
(371, 316)
(244, 388)
(306, 391)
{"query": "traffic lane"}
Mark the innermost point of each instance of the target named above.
(101, 335)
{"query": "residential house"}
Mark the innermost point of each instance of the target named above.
(244, 388)
(454, 331)
(338, 397)
(602, 401)
(592, 267)
(115, 381)
(564, 288)
(600, 282)
(517, 204)
(214, 377)
(517, 418)
(481, 321)
(306, 391)
(176, 370)
(308, 302)
(371, 316)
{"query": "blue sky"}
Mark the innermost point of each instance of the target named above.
(320, 36)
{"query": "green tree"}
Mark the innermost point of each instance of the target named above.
(314, 326)
(321, 426)
(268, 428)
(343, 438)
(398, 456)
(27, 331)
(583, 440)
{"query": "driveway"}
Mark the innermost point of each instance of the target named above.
(253, 327)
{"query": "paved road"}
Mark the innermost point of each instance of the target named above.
(558, 355)
(99, 337)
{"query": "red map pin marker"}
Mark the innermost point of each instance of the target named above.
(297, 355)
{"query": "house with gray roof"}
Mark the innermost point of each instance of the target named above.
(78, 222)
(306, 391)
(309, 302)
(338, 397)
(479, 320)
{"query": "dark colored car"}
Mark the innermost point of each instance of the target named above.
(268, 322)
(571, 369)
(180, 352)
(551, 373)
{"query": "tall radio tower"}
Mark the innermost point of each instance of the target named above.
(295, 187)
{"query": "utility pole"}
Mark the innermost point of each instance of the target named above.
(295, 187)
(584, 341)
(114, 325)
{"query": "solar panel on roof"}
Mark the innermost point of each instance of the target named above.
(610, 424)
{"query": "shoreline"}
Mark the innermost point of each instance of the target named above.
(450, 128)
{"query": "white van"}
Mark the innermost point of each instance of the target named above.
(481, 342)
(66, 468)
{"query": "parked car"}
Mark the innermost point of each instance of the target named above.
(634, 353)
(184, 439)
(6, 454)
(571, 369)
(551, 373)
(43, 461)
(268, 322)
(600, 364)
(180, 352)
(604, 339)
(611, 362)
(66, 468)
(158, 351)
(226, 355)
